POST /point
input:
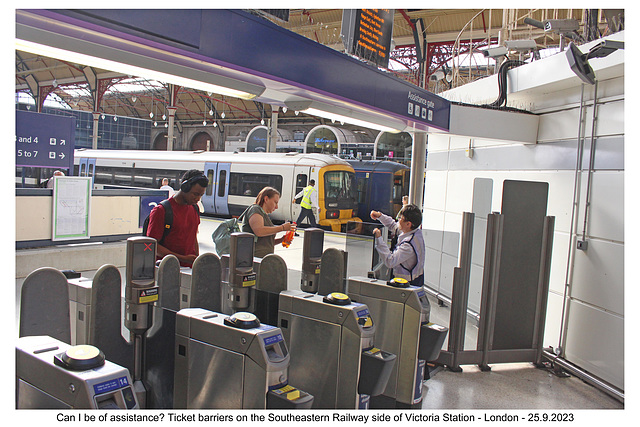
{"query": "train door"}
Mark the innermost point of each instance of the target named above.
(215, 198)
(208, 200)
(87, 168)
(222, 189)
(301, 177)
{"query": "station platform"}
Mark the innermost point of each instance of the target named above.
(515, 386)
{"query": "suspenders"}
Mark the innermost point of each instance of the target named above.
(416, 254)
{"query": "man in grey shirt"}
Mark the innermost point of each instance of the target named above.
(407, 258)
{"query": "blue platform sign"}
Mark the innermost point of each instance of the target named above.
(44, 140)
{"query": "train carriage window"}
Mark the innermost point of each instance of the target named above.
(362, 190)
(103, 177)
(301, 183)
(339, 186)
(211, 182)
(143, 178)
(122, 176)
(222, 182)
(244, 184)
(398, 189)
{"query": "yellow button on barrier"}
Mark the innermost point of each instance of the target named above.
(83, 352)
(293, 395)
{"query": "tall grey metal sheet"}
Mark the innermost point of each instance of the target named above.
(524, 206)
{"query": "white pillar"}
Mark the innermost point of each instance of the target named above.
(96, 121)
(418, 159)
(172, 116)
(273, 140)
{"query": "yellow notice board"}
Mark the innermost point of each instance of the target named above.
(71, 207)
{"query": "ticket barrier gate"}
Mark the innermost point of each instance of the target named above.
(333, 357)
(238, 275)
(314, 278)
(402, 315)
(44, 305)
(270, 281)
(149, 318)
(200, 285)
(232, 362)
(96, 307)
(51, 374)
(333, 272)
(311, 258)
(80, 292)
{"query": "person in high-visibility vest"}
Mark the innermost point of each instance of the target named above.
(309, 200)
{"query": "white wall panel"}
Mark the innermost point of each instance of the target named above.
(553, 321)
(594, 335)
(448, 263)
(606, 213)
(559, 125)
(559, 260)
(433, 219)
(452, 224)
(460, 200)
(435, 190)
(595, 342)
(438, 142)
(598, 277)
(432, 260)
(459, 142)
(610, 120)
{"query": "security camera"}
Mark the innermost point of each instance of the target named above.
(604, 48)
(521, 45)
(579, 62)
(561, 25)
(495, 52)
(437, 76)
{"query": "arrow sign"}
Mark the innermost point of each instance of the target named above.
(41, 140)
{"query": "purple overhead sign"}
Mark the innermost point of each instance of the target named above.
(251, 50)
(44, 140)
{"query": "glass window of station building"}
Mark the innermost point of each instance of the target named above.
(395, 147)
(124, 133)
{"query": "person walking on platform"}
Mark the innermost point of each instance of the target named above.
(167, 187)
(258, 223)
(182, 240)
(51, 180)
(407, 258)
(309, 200)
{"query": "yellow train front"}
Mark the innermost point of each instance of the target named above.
(337, 196)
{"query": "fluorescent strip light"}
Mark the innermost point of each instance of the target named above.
(106, 64)
(350, 120)
(312, 108)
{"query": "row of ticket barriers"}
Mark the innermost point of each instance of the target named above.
(224, 334)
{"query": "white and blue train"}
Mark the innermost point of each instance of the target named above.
(235, 178)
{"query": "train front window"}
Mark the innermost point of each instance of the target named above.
(339, 189)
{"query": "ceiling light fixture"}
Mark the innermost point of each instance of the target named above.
(174, 73)
(345, 115)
